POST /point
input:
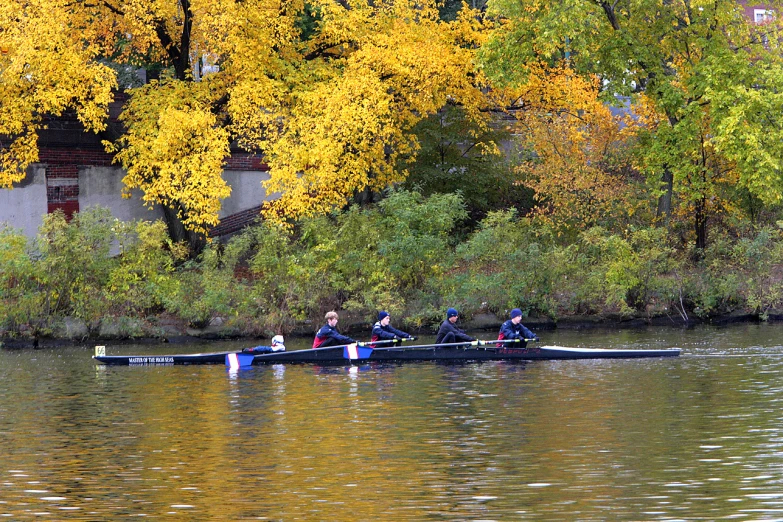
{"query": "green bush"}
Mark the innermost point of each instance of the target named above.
(74, 264)
(744, 273)
(396, 255)
(282, 285)
(507, 263)
(205, 288)
(21, 298)
(89, 268)
(511, 262)
(362, 260)
(627, 273)
(141, 278)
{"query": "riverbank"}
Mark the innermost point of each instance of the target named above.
(70, 287)
(166, 329)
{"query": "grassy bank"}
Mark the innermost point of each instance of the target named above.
(97, 277)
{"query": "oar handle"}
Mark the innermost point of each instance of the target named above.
(461, 343)
(370, 343)
(366, 343)
(497, 341)
(386, 341)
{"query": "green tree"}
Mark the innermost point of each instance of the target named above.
(710, 76)
(458, 155)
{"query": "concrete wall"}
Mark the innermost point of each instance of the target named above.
(102, 186)
(246, 191)
(24, 206)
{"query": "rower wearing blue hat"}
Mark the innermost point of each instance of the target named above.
(382, 330)
(514, 329)
(448, 331)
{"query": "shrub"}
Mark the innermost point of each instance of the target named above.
(740, 273)
(507, 263)
(626, 273)
(205, 288)
(93, 267)
(21, 298)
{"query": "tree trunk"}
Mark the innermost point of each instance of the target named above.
(665, 200)
(700, 222)
(178, 232)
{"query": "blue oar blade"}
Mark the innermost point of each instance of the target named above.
(354, 351)
(239, 360)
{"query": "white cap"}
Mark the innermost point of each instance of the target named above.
(277, 339)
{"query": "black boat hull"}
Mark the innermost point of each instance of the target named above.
(339, 355)
(162, 360)
(455, 354)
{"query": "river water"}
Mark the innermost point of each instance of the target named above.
(699, 437)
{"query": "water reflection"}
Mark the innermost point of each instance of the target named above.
(698, 437)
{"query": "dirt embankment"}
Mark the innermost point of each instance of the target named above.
(170, 330)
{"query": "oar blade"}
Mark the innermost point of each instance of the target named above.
(239, 360)
(355, 351)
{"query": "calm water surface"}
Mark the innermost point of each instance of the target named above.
(698, 437)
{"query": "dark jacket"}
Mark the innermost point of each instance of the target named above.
(380, 333)
(509, 330)
(329, 336)
(446, 328)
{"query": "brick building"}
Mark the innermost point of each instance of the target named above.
(75, 172)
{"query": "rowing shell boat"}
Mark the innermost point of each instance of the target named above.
(163, 360)
(352, 353)
(338, 355)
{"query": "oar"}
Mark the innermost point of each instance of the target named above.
(239, 360)
(463, 343)
(362, 349)
(364, 344)
(495, 341)
(387, 341)
(244, 359)
(434, 345)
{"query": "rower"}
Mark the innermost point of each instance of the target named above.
(448, 331)
(278, 343)
(383, 331)
(514, 329)
(328, 334)
(277, 346)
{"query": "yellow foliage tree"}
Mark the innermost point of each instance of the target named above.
(344, 116)
(327, 90)
(571, 134)
(174, 152)
(46, 68)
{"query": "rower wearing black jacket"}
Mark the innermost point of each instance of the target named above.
(328, 334)
(383, 331)
(449, 333)
(514, 329)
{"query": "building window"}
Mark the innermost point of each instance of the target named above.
(761, 16)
